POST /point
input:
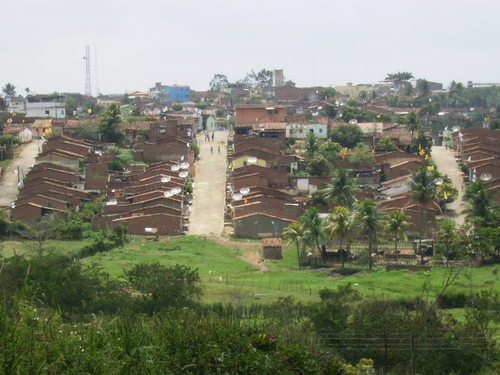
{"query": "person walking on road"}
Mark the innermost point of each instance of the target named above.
(213, 134)
(218, 149)
(211, 150)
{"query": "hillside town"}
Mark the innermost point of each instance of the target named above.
(284, 148)
(120, 212)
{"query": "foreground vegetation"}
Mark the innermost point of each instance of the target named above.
(64, 315)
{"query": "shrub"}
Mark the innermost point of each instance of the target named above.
(161, 287)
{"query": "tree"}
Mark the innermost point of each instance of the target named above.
(347, 135)
(340, 227)
(408, 90)
(385, 144)
(161, 287)
(109, 124)
(369, 219)
(422, 143)
(318, 166)
(89, 130)
(401, 76)
(71, 106)
(312, 145)
(341, 191)
(314, 227)
(481, 203)
(295, 232)
(330, 150)
(422, 192)
(411, 122)
(423, 87)
(40, 231)
(363, 95)
(264, 78)
(397, 222)
(9, 139)
(446, 193)
(327, 93)
(9, 89)
(361, 155)
(447, 238)
(329, 111)
(3, 105)
(218, 82)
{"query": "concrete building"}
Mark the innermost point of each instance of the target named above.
(259, 113)
(53, 106)
(172, 93)
(278, 78)
(301, 131)
(15, 104)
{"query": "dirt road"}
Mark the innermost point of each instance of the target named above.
(207, 210)
(9, 183)
(446, 163)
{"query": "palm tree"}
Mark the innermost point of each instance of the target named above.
(342, 189)
(480, 201)
(423, 192)
(314, 227)
(369, 219)
(412, 123)
(296, 233)
(340, 227)
(397, 222)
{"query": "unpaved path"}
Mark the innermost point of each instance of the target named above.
(209, 188)
(446, 163)
(22, 163)
(251, 251)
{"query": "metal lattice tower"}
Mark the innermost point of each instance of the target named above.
(88, 87)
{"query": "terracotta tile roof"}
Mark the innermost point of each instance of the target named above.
(42, 124)
(272, 242)
(263, 214)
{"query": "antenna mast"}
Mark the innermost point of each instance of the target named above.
(88, 88)
(95, 72)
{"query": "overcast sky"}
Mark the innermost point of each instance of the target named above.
(316, 42)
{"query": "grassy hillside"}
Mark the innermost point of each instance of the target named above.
(228, 278)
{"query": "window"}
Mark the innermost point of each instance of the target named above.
(320, 130)
(47, 112)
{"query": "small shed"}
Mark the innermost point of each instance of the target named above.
(272, 248)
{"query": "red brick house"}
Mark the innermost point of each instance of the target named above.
(259, 113)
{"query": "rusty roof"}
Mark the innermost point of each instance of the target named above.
(272, 242)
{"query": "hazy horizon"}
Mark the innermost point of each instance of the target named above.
(324, 43)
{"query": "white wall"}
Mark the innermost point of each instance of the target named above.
(300, 131)
(46, 109)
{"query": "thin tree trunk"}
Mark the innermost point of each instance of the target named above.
(341, 252)
(370, 258)
(420, 234)
(298, 254)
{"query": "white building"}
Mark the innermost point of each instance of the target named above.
(22, 132)
(300, 131)
(53, 106)
(15, 104)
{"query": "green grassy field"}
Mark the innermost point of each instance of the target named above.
(228, 278)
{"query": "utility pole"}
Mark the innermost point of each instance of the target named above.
(88, 87)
